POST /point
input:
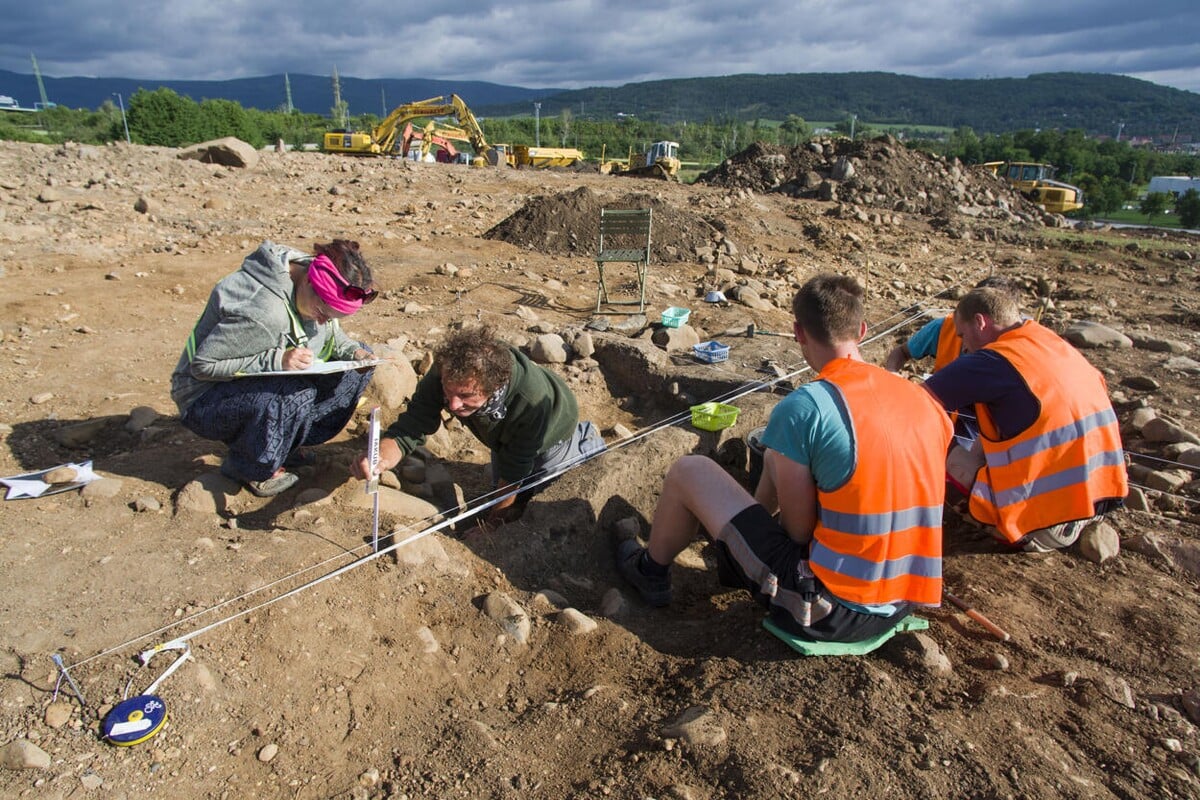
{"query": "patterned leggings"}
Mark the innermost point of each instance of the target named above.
(263, 420)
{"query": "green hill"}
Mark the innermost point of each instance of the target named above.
(1095, 103)
(1098, 104)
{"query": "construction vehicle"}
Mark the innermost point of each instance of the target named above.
(418, 144)
(381, 140)
(501, 155)
(541, 157)
(661, 160)
(1036, 182)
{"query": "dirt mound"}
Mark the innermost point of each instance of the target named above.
(568, 224)
(879, 173)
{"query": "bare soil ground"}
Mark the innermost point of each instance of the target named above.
(392, 680)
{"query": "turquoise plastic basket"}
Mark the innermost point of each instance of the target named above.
(675, 316)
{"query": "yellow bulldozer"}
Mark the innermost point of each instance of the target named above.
(660, 160)
(382, 139)
(1036, 181)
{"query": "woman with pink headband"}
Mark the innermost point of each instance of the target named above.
(278, 313)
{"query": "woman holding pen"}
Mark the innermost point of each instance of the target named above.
(278, 314)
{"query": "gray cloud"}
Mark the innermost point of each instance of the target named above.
(576, 43)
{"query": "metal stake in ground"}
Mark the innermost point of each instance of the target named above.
(373, 483)
(62, 669)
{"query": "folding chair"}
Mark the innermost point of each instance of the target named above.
(624, 237)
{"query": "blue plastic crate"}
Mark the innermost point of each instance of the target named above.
(710, 352)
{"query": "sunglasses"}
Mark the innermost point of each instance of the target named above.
(349, 291)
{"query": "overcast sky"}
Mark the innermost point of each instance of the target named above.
(578, 43)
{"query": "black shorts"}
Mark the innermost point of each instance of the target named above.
(755, 553)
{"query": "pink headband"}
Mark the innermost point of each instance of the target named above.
(330, 286)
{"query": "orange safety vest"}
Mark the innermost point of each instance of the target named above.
(1068, 460)
(878, 537)
(949, 346)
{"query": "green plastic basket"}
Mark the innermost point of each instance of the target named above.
(714, 416)
(675, 316)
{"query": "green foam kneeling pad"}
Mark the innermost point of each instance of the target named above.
(808, 647)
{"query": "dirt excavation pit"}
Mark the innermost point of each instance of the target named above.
(518, 664)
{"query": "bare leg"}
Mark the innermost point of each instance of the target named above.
(696, 491)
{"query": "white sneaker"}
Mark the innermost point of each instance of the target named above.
(1053, 538)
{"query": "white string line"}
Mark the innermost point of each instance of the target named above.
(1164, 493)
(1148, 457)
(487, 499)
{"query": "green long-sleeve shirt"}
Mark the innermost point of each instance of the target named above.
(540, 411)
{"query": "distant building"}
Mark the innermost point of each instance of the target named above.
(1173, 184)
(8, 102)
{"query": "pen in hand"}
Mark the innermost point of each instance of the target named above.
(297, 357)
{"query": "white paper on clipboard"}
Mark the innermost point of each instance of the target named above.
(316, 368)
(373, 451)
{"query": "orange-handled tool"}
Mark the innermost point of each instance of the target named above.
(991, 627)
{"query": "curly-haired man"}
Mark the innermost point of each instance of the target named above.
(524, 413)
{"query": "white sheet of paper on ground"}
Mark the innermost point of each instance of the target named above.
(30, 484)
(318, 368)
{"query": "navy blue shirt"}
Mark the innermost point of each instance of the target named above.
(986, 377)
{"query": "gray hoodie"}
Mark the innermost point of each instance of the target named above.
(246, 327)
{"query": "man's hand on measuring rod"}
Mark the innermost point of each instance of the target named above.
(389, 457)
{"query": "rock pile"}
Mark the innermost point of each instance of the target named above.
(880, 173)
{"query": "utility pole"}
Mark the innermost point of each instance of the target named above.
(37, 73)
(287, 88)
(124, 121)
(853, 119)
(341, 109)
(1120, 127)
(537, 119)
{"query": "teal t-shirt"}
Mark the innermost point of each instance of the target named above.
(811, 426)
(923, 343)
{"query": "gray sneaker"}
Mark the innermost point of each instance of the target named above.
(656, 591)
(1056, 537)
(265, 488)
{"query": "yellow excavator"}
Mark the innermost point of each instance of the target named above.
(1036, 181)
(382, 139)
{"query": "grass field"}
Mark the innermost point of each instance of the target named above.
(1133, 217)
(1109, 238)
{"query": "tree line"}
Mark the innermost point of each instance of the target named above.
(1110, 172)
(1064, 100)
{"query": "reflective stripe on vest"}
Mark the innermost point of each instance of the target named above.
(299, 337)
(190, 346)
(878, 537)
(327, 349)
(1068, 460)
(1048, 483)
